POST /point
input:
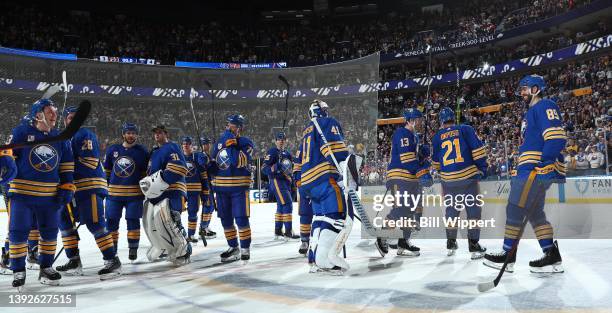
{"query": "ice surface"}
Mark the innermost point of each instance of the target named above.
(277, 278)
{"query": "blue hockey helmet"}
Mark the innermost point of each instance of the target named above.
(412, 113)
(69, 110)
(204, 140)
(318, 108)
(531, 81)
(39, 106)
(126, 127)
(187, 140)
(281, 136)
(445, 115)
(236, 119)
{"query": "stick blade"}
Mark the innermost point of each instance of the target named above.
(484, 287)
(51, 91)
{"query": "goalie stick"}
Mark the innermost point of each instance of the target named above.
(78, 121)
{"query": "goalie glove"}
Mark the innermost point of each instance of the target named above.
(343, 174)
(153, 186)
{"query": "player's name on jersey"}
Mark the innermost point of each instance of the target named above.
(432, 222)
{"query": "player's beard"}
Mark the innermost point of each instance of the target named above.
(129, 140)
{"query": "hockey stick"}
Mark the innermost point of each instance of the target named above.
(212, 104)
(483, 287)
(197, 129)
(284, 80)
(65, 84)
(62, 249)
(78, 120)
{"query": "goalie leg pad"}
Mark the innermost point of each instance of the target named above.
(329, 236)
(163, 228)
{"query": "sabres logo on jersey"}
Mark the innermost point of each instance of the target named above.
(124, 167)
(190, 169)
(44, 158)
(223, 159)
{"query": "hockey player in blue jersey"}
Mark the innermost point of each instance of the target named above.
(125, 165)
(8, 171)
(320, 181)
(88, 208)
(540, 163)
(407, 174)
(460, 158)
(43, 184)
(207, 207)
(232, 178)
(195, 172)
(165, 190)
(278, 166)
(304, 204)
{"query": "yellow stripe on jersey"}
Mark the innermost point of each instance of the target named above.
(465, 173)
(236, 181)
(124, 191)
(91, 163)
(478, 153)
(401, 174)
(312, 174)
(66, 167)
(554, 133)
(436, 165)
(194, 187)
(334, 146)
(90, 183)
(177, 169)
(178, 187)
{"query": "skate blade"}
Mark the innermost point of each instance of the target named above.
(230, 259)
(110, 276)
(555, 268)
(78, 272)
(49, 282)
(33, 266)
(450, 252)
(181, 261)
(381, 251)
(244, 262)
(498, 266)
(20, 289)
(5, 271)
(210, 237)
(328, 272)
(477, 255)
(279, 238)
(408, 254)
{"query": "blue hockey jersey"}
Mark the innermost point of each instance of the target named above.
(458, 154)
(89, 176)
(297, 166)
(41, 168)
(272, 165)
(196, 172)
(204, 175)
(543, 139)
(232, 156)
(317, 164)
(125, 167)
(404, 164)
(169, 159)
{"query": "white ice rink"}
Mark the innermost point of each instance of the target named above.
(277, 279)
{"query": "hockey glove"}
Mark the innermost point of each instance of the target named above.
(8, 169)
(65, 193)
(153, 186)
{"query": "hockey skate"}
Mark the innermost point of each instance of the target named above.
(476, 249)
(451, 247)
(49, 276)
(206, 233)
(192, 240)
(289, 235)
(278, 234)
(133, 254)
(111, 269)
(185, 258)
(496, 260)
(549, 263)
(32, 259)
(304, 248)
(4, 263)
(19, 280)
(405, 248)
(382, 245)
(245, 255)
(73, 267)
(230, 255)
(334, 271)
